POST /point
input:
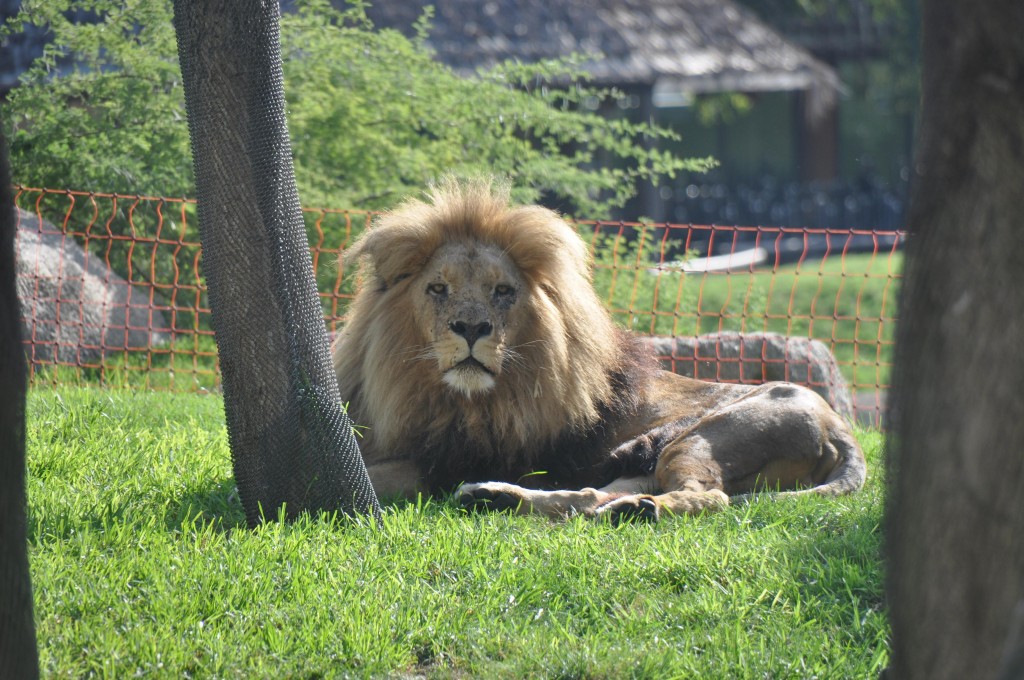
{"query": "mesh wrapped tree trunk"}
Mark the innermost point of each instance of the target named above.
(291, 442)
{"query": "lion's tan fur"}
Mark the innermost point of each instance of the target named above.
(568, 339)
(476, 349)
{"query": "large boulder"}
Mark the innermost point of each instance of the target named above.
(754, 358)
(74, 308)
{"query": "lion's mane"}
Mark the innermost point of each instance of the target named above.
(576, 369)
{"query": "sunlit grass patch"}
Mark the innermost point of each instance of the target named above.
(142, 565)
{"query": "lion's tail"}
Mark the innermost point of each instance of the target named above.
(849, 473)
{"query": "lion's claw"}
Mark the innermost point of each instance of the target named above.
(467, 501)
(630, 509)
(481, 498)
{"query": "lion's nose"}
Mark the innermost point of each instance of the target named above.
(471, 331)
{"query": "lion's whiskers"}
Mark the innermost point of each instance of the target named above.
(527, 344)
(515, 359)
(418, 352)
(428, 354)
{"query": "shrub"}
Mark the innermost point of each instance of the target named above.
(372, 116)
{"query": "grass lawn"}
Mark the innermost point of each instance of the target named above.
(142, 566)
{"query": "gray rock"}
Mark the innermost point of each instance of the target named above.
(74, 308)
(754, 358)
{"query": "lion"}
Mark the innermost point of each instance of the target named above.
(478, 358)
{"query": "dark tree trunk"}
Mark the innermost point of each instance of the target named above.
(955, 519)
(18, 658)
(291, 443)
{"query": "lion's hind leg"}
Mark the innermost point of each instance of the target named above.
(499, 496)
(648, 508)
(778, 438)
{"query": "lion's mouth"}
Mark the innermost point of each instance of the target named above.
(471, 364)
(469, 377)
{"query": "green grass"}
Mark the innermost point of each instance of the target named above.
(142, 566)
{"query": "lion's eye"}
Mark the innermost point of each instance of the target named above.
(437, 289)
(502, 290)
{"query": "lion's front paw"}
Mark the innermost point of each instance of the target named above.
(629, 509)
(492, 496)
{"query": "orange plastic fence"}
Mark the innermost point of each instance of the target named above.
(112, 293)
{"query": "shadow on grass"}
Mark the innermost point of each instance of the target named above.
(216, 504)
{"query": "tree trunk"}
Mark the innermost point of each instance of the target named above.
(18, 657)
(291, 443)
(955, 516)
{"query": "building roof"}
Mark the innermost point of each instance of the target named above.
(691, 46)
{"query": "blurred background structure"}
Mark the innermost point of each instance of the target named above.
(808, 105)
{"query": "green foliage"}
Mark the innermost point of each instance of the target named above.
(726, 107)
(142, 565)
(102, 109)
(372, 116)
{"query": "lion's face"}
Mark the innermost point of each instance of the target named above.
(471, 294)
(474, 318)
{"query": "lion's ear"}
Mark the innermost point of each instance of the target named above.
(393, 250)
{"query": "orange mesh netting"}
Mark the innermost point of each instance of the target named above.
(122, 276)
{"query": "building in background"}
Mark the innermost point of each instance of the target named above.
(795, 148)
(807, 114)
(19, 50)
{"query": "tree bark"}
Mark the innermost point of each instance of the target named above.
(955, 515)
(291, 443)
(18, 656)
